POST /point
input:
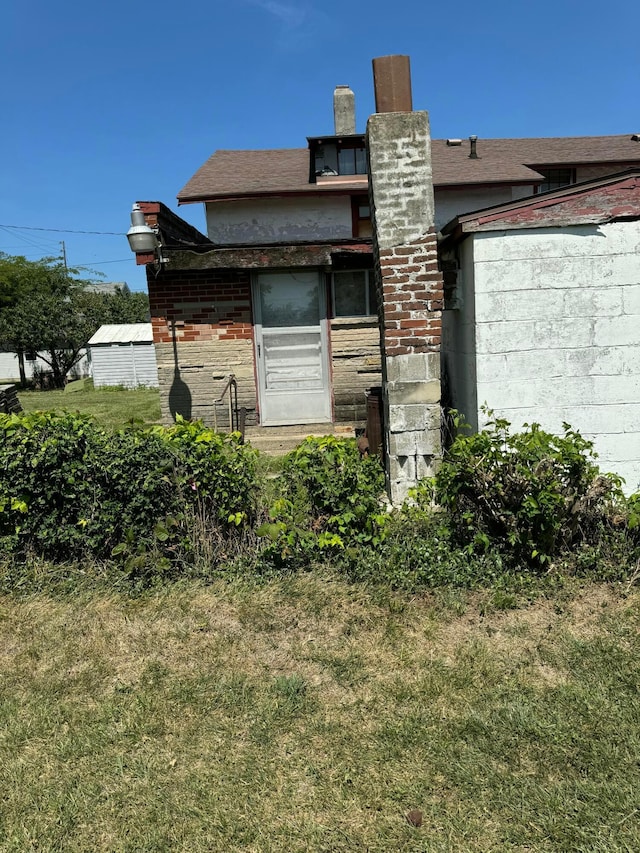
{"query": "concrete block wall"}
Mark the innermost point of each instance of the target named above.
(558, 333)
(410, 294)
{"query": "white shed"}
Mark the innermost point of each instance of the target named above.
(124, 355)
(544, 323)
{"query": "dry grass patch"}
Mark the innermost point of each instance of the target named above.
(308, 715)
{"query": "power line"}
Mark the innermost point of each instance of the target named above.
(102, 263)
(38, 244)
(65, 230)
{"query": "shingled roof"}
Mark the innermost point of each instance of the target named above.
(238, 174)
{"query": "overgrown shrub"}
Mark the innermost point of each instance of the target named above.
(329, 499)
(214, 470)
(52, 465)
(69, 489)
(527, 495)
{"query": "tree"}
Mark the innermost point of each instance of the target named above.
(44, 309)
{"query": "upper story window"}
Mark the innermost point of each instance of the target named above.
(335, 156)
(554, 179)
(352, 160)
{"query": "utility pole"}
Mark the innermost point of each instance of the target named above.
(64, 257)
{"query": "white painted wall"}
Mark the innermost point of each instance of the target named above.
(128, 364)
(278, 220)
(557, 328)
(452, 202)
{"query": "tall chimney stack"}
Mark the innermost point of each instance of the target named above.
(344, 111)
(392, 84)
(408, 281)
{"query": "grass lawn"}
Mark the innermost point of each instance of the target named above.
(310, 715)
(111, 407)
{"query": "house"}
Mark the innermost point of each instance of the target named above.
(123, 354)
(35, 366)
(543, 319)
(289, 236)
(289, 291)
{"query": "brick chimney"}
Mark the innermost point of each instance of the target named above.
(407, 277)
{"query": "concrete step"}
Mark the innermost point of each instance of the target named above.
(276, 441)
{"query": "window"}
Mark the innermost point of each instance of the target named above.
(556, 178)
(331, 157)
(354, 294)
(361, 215)
(352, 161)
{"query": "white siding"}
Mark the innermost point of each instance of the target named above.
(127, 364)
(557, 319)
(278, 220)
(454, 202)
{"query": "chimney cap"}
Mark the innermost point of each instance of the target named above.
(392, 84)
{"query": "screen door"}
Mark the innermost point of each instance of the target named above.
(291, 349)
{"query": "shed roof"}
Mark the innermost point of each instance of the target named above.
(228, 174)
(615, 197)
(123, 333)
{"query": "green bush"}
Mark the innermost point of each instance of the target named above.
(214, 470)
(68, 489)
(417, 552)
(329, 499)
(528, 495)
(53, 465)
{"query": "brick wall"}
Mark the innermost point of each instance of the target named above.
(202, 330)
(412, 297)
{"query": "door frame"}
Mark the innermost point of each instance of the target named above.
(258, 348)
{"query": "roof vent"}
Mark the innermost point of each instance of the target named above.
(635, 137)
(473, 154)
(452, 142)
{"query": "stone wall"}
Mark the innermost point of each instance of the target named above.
(355, 366)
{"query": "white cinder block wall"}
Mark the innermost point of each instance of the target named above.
(557, 328)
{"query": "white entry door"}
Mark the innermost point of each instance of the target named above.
(291, 348)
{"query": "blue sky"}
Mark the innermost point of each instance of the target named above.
(106, 103)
